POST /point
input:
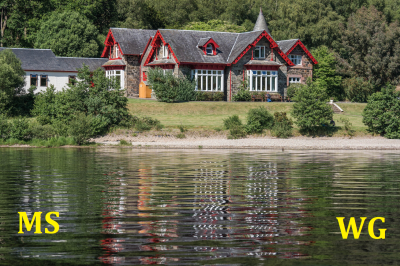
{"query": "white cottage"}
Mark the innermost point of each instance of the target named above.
(43, 68)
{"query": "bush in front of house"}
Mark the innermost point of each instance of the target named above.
(311, 111)
(232, 121)
(209, 96)
(381, 115)
(170, 89)
(259, 119)
(243, 94)
(293, 89)
(282, 125)
(93, 95)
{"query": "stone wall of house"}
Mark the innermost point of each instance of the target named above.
(132, 75)
(305, 70)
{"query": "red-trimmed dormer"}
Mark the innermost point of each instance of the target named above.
(112, 49)
(208, 45)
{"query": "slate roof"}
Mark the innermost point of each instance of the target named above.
(261, 24)
(241, 42)
(132, 41)
(45, 60)
(114, 63)
(162, 62)
(203, 41)
(285, 45)
(263, 63)
(184, 44)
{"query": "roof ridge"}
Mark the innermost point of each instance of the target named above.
(227, 60)
(205, 31)
(79, 57)
(288, 40)
(26, 48)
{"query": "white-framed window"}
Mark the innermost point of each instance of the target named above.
(296, 59)
(263, 80)
(259, 52)
(118, 75)
(209, 80)
(294, 80)
(209, 49)
(165, 51)
(116, 51)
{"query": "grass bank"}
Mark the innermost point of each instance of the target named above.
(210, 115)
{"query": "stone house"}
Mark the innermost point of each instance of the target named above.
(218, 61)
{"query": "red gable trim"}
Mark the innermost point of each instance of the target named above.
(109, 42)
(212, 42)
(304, 49)
(145, 49)
(273, 45)
(155, 45)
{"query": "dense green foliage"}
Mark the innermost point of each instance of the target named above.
(12, 80)
(282, 125)
(310, 110)
(168, 88)
(232, 121)
(68, 34)
(259, 119)
(214, 25)
(243, 94)
(209, 96)
(381, 115)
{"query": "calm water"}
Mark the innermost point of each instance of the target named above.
(179, 207)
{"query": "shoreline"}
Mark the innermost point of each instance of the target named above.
(257, 143)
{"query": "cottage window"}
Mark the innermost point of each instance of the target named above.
(71, 79)
(210, 49)
(116, 51)
(43, 81)
(259, 52)
(296, 59)
(263, 80)
(294, 80)
(118, 75)
(165, 51)
(209, 80)
(34, 79)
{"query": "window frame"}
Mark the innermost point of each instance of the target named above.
(212, 49)
(70, 78)
(121, 75)
(259, 76)
(295, 58)
(294, 82)
(116, 51)
(34, 76)
(259, 48)
(205, 77)
(165, 51)
(43, 77)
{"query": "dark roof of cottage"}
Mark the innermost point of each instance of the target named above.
(285, 45)
(203, 41)
(45, 60)
(184, 44)
(241, 42)
(261, 24)
(114, 63)
(162, 62)
(132, 41)
(263, 63)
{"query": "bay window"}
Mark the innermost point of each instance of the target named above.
(118, 75)
(209, 80)
(259, 52)
(262, 80)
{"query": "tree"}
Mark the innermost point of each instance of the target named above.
(12, 80)
(381, 115)
(68, 34)
(371, 49)
(310, 110)
(214, 25)
(324, 74)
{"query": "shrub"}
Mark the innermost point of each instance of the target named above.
(259, 119)
(347, 126)
(142, 126)
(4, 127)
(282, 125)
(293, 89)
(81, 128)
(310, 109)
(182, 128)
(381, 115)
(19, 129)
(42, 131)
(243, 94)
(232, 121)
(180, 136)
(168, 88)
(124, 143)
(209, 96)
(237, 132)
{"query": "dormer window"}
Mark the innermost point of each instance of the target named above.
(116, 51)
(296, 59)
(165, 51)
(210, 49)
(259, 52)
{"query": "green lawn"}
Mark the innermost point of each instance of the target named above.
(210, 115)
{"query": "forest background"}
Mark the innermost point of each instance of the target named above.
(357, 43)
